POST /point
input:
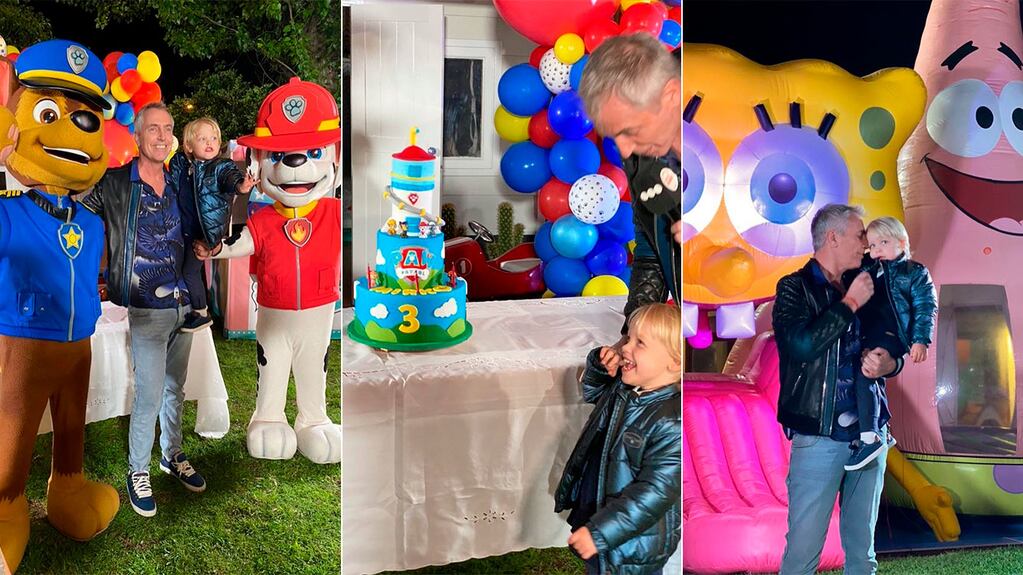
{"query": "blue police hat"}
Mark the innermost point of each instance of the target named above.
(65, 66)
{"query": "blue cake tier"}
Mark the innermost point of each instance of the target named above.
(404, 320)
(400, 260)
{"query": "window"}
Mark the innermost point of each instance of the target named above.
(463, 108)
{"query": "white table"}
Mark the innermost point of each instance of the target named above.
(112, 381)
(456, 453)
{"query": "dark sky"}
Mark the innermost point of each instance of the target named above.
(861, 36)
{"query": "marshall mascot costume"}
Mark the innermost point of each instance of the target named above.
(295, 246)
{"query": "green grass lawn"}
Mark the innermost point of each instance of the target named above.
(255, 516)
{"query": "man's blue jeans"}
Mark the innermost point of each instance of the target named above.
(160, 355)
(816, 476)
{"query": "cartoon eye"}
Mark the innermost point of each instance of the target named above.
(46, 111)
(701, 175)
(276, 157)
(778, 178)
(315, 154)
(1010, 105)
(964, 119)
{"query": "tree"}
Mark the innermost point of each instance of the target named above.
(225, 96)
(22, 25)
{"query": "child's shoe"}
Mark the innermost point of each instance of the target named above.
(195, 322)
(179, 467)
(140, 494)
(864, 453)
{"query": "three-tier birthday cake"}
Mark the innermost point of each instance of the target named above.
(407, 302)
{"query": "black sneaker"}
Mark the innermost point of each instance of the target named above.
(195, 322)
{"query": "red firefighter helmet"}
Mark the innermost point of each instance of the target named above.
(294, 116)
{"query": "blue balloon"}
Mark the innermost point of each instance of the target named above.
(572, 238)
(611, 152)
(542, 243)
(524, 167)
(673, 3)
(607, 259)
(573, 159)
(575, 75)
(671, 33)
(124, 113)
(565, 277)
(626, 275)
(127, 62)
(619, 228)
(567, 116)
(521, 90)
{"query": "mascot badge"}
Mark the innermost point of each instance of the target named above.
(51, 142)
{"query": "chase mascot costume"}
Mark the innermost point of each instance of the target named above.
(51, 141)
(295, 246)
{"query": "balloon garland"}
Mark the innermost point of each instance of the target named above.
(132, 85)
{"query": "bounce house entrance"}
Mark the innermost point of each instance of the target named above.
(976, 383)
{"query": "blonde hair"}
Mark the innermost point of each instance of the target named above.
(192, 128)
(889, 227)
(664, 323)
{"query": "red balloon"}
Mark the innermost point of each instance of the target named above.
(675, 14)
(147, 93)
(540, 131)
(642, 18)
(593, 137)
(617, 175)
(552, 199)
(131, 81)
(662, 10)
(544, 21)
(111, 58)
(119, 142)
(111, 71)
(537, 54)
(598, 31)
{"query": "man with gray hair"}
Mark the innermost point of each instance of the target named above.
(145, 253)
(632, 89)
(817, 332)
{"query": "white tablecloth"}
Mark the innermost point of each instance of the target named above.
(455, 454)
(112, 381)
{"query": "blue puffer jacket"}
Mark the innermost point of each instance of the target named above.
(913, 296)
(207, 190)
(638, 522)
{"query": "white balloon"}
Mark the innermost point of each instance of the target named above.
(554, 73)
(593, 199)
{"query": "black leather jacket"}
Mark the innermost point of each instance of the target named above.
(912, 297)
(809, 322)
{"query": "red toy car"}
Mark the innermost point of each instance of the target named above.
(517, 274)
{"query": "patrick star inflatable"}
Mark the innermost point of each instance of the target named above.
(956, 416)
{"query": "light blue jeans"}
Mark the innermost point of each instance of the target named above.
(160, 355)
(816, 476)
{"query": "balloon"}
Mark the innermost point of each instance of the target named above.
(594, 199)
(537, 54)
(611, 153)
(607, 258)
(511, 127)
(124, 114)
(127, 62)
(552, 199)
(554, 73)
(671, 33)
(617, 176)
(542, 243)
(575, 75)
(567, 116)
(118, 141)
(626, 4)
(149, 66)
(118, 92)
(111, 59)
(569, 48)
(548, 294)
(662, 10)
(619, 228)
(111, 70)
(641, 18)
(605, 285)
(524, 167)
(573, 238)
(540, 132)
(131, 82)
(626, 275)
(598, 31)
(675, 14)
(573, 159)
(522, 91)
(677, 5)
(544, 21)
(564, 276)
(149, 92)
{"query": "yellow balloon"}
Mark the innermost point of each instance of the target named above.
(149, 68)
(605, 285)
(547, 295)
(569, 48)
(511, 127)
(118, 92)
(626, 4)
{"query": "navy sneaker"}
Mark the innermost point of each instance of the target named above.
(179, 467)
(140, 493)
(864, 454)
(195, 322)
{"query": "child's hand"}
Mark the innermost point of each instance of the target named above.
(203, 251)
(610, 358)
(583, 543)
(918, 352)
(245, 186)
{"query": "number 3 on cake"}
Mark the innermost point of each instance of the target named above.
(410, 323)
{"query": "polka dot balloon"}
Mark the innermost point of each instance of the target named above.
(554, 73)
(593, 199)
